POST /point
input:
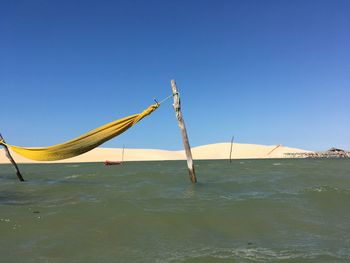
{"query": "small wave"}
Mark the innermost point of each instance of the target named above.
(326, 189)
(276, 164)
(72, 176)
(73, 165)
(254, 254)
(253, 195)
(87, 197)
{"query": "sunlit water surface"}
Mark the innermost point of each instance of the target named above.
(246, 211)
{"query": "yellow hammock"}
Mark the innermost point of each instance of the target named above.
(85, 142)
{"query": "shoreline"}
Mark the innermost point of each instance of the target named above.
(217, 151)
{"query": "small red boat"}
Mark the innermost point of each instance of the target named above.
(112, 162)
(116, 162)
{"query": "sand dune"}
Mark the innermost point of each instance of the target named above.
(205, 152)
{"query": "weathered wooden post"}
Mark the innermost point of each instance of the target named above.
(177, 107)
(8, 154)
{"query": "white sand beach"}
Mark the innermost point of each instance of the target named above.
(205, 152)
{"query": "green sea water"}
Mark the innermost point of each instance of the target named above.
(246, 211)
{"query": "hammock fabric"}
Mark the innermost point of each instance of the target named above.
(84, 143)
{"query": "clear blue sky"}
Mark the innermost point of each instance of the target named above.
(267, 72)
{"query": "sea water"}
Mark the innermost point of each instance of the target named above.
(244, 211)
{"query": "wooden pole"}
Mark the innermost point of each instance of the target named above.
(8, 154)
(231, 148)
(177, 107)
(123, 153)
